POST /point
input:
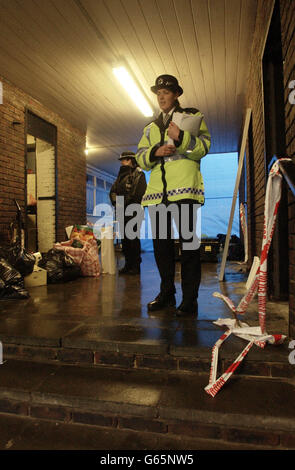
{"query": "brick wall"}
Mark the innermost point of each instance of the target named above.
(287, 10)
(254, 100)
(71, 162)
(256, 147)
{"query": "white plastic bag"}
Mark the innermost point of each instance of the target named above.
(107, 251)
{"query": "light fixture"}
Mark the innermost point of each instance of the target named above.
(86, 151)
(133, 91)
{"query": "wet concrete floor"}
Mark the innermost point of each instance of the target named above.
(114, 308)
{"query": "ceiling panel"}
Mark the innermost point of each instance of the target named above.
(61, 52)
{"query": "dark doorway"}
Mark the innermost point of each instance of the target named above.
(40, 183)
(275, 145)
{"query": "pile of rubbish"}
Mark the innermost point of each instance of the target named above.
(66, 261)
(15, 264)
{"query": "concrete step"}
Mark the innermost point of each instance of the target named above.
(178, 346)
(19, 433)
(247, 410)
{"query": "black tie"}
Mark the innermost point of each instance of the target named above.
(165, 119)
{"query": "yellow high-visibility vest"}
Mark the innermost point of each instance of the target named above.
(178, 176)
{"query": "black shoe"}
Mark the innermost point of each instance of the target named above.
(161, 301)
(124, 270)
(134, 270)
(187, 308)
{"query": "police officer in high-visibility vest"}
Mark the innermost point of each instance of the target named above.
(173, 156)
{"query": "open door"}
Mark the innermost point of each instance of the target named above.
(40, 187)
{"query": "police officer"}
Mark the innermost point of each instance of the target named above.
(175, 178)
(131, 184)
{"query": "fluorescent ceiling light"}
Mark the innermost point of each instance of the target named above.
(133, 91)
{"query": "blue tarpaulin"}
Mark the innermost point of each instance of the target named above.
(219, 173)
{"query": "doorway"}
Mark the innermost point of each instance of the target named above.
(40, 184)
(275, 145)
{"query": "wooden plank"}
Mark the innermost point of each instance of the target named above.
(239, 172)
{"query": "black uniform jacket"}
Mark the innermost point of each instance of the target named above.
(130, 183)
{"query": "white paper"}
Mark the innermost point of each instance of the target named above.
(187, 122)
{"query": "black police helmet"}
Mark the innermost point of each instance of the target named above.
(167, 81)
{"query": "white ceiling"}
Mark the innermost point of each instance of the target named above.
(61, 52)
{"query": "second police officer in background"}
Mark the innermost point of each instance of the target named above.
(131, 184)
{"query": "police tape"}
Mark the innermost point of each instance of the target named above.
(213, 388)
(255, 335)
(214, 362)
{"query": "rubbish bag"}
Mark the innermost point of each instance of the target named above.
(236, 249)
(86, 257)
(60, 267)
(11, 282)
(21, 259)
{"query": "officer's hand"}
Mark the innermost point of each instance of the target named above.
(165, 150)
(173, 131)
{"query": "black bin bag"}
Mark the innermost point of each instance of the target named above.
(11, 282)
(60, 267)
(21, 259)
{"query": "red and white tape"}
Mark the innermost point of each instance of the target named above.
(213, 388)
(254, 335)
(214, 362)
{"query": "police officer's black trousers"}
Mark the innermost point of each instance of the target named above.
(131, 247)
(164, 251)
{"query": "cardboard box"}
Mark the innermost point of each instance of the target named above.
(37, 278)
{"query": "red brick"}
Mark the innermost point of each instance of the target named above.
(75, 355)
(251, 368)
(71, 160)
(15, 407)
(142, 424)
(109, 358)
(194, 430)
(93, 419)
(156, 362)
(194, 365)
(46, 412)
(288, 440)
(283, 370)
(251, 437)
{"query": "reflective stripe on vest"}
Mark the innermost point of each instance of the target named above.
(173, 192)
(171, 158)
